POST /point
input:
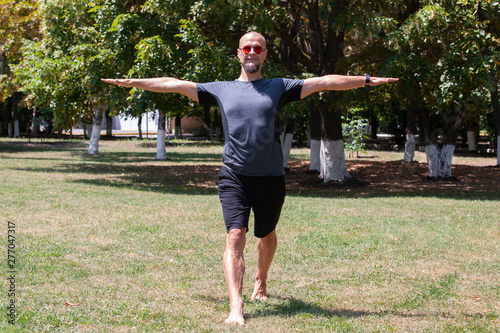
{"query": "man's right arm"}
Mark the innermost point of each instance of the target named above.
(160, 84)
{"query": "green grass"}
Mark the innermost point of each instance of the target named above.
(137, 245)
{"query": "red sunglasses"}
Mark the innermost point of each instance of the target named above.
(257, 49)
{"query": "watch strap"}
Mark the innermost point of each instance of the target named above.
(367, 81)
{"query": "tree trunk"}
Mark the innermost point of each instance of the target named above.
(496, 112)
(88, 130)
(178, 134)
(315, 160)
(332, 156)
(161, 152)
(96, 131)
(216, 125)
(374, 126)
(333, 166)
(314, 138)
(208, 122)
(35, 125)
(15, 114)
(7, 109)
(432, 153)
(471, 129)
(287, 147)
(453, 121)
(139, 126)
(10, 129)
(287, 139)
(431, 147)
(411, 131)
(440, 160)
(409, 147)
(445, 158)
(16, 133)
(471, 140)
(109, 125)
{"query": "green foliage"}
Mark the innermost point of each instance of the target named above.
(19, 21)
(355, 131)
(443, 51)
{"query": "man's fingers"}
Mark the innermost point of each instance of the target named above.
(119, 82)
(381, 80)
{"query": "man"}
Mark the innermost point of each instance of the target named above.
(252, 175)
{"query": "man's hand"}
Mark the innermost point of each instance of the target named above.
(375, 81)
(127, 83)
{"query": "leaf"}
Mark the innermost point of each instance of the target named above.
(69, 305)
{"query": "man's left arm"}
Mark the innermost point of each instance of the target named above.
(341, 82)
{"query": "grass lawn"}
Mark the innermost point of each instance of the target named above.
(121, 242)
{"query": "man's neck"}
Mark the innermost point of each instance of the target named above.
(245, 76)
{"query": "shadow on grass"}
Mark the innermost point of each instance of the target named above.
(39, 146)
(289, 306)
(150, 157)
(192, 172)
(162, 177)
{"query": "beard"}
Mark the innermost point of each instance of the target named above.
(251, 67)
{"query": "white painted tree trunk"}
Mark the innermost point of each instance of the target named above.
(333, 166)
(314, 156)
(89, 130)
(409, 148)
(16, 128)
(161, 151)
(35, 125)
(439, 161)
(94, 139)
(432, 152)
(96, 133)
(445, 158)
(287, 140)
(471, 139)
(10, 129)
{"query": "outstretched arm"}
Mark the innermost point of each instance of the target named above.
(160, 84)
(340, 82)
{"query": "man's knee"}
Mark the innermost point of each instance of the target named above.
(269, 240)
(236, 239)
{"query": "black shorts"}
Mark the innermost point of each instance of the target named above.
(264, 195)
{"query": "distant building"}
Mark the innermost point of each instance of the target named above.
(129, 126)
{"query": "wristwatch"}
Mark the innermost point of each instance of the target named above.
(367, 82)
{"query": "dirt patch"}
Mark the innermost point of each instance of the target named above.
(395, 176)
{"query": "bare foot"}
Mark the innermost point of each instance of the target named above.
(235, 319)
(259, 292)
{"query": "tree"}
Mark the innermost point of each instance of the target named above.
(62, 70)
(441, 60)
(19, 21)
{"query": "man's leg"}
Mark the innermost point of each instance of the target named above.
(266, 247)
(234, 269)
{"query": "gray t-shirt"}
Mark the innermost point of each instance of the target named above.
(250, 116)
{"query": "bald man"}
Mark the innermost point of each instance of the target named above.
(252, 173)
